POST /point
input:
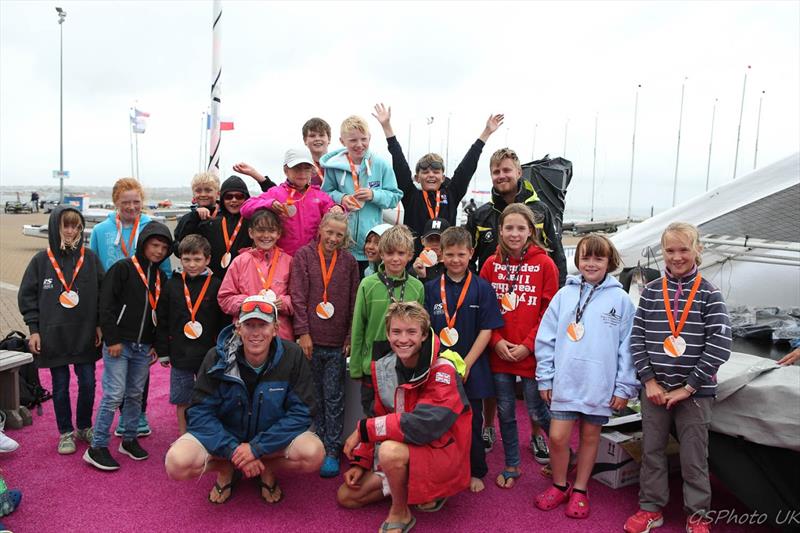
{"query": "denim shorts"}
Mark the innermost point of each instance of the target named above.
(575, 415)
(181, 384)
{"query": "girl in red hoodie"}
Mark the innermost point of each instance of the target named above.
(525, 279)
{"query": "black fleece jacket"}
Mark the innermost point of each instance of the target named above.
(173, 313)
(125, 311)
(212, 229)
(67, 335)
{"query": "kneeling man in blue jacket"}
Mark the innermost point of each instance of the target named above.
(251, 409)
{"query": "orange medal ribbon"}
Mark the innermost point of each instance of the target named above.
(153, 300)
(320, 171)
(133, 236)
(327, 272)
(67, 298)
(354, 174)
(229, 240)
(675, 345)
(193, 308)
(268, 281)
(451, 321)
(433, 214)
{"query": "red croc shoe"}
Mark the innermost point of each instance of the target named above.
(552, 498)
(578, 506)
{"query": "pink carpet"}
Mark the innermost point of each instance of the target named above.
(62, 493)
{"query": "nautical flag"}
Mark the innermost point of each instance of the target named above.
(140, 113)
(138, 125)
(225, 123)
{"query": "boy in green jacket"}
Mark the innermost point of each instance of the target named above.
(390, 284)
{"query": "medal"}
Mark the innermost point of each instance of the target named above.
(675, 345)
(226, 258)
(291, 210)
(575, 331)
(269, 295)
(152, 299)
(509, 301)
(448, 336)
(68, 298)
(193, 329)
(428, 257)
(266, 283)
(325, 308)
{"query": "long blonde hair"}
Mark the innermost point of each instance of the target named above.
(337, 216)
(691, 233)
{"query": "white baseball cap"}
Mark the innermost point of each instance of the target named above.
(296, 156)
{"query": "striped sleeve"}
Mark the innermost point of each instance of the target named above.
(638, 342)
(717, 343)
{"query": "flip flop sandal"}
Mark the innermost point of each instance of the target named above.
(439, 503)
(578, 506)
(220, 490)
(404, 527)
(551, 498)
(508, 474)
(271, 489)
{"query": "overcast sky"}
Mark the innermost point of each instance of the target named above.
(539, 63)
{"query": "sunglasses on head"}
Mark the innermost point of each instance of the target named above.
(265, 307)
(234, 196)
(433, 165)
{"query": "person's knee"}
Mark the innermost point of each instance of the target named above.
(307, 450)
(392, 454)
(347, 497)
(180, 464)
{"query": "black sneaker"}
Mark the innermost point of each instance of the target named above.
(489, 438)
(539, 449)
(132, 449)
(100, 458)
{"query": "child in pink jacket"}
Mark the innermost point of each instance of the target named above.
(263, 269)
(300, 205)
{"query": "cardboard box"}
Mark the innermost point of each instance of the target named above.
(619, 455)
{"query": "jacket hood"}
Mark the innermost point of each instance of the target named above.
(233, 183)
(152, 229)
(337, 159)
(54, 227)
(609, 283)
(525, 193)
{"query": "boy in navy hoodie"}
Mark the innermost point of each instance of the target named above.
(189, 320)
(128, 303)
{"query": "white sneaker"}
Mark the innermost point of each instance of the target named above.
(7, 444)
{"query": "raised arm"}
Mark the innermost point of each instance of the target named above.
(400, 166)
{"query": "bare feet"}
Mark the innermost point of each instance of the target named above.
(476, 484)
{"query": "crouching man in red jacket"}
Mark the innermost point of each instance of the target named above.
(413, 449)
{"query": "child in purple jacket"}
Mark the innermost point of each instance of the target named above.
(323, 287)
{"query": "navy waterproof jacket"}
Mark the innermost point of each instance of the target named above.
(223, 415)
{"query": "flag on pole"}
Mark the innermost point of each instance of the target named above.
(138, 120)
(140, 113)
(225, 123)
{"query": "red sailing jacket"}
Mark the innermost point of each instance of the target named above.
(536, 283)
(431, 414)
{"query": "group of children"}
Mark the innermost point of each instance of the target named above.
(315, 246)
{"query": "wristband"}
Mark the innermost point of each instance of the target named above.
(691, 390)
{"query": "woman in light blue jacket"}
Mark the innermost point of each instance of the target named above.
(584, 367)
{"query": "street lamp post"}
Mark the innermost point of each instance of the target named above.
(61, 16)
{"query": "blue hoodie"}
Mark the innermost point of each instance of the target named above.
(104, 241)
(374, 173)
(583, 375)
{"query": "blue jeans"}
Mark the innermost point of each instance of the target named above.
(328, 370)
(123, 379)
(61, 401)
(506, 412)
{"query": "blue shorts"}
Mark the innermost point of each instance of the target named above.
(575, 415)
(181, 384)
